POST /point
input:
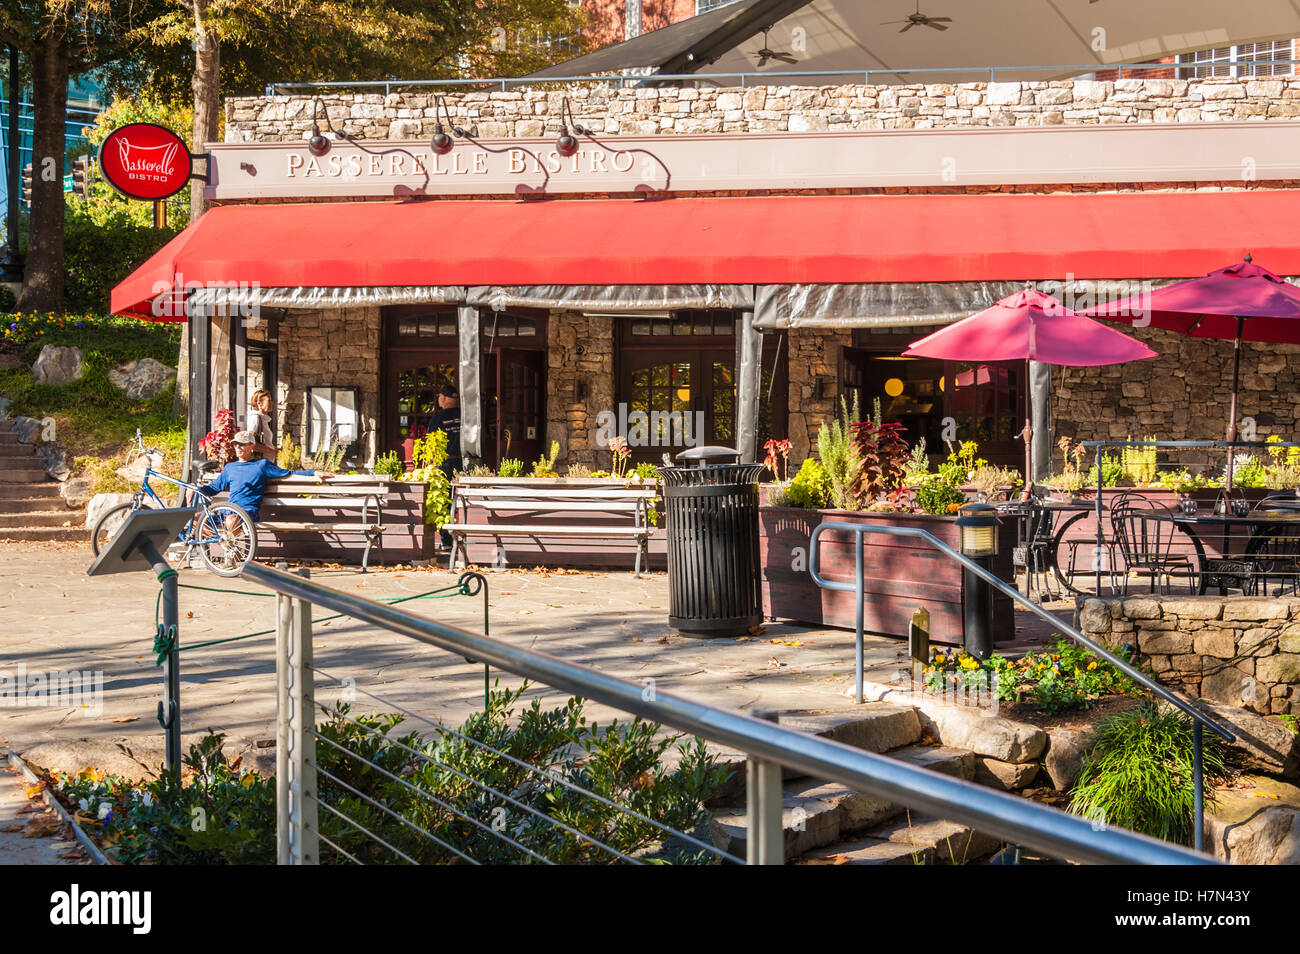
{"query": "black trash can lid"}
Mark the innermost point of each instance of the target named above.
(704, 456)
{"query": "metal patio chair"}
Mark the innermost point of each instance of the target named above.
(1144, 534)
(1274, 549)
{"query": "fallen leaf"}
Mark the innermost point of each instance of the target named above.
(190, 614)
(34, 791)
(662, 639)
(1265, 795)
(9, 829)
(636, 639)
(774, 663)
(128, 719)
(74, 855)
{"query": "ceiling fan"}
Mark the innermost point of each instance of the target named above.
(766, 54)
(920, 19)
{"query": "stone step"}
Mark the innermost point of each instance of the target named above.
(14, 449)
(913, 839)
(41, 518)
(49, 503)
(41, 488)
(815, 814)
(876, 727)
(20, 475)
(70, 534)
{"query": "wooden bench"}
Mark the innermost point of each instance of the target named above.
(361, 494)
(523, 507)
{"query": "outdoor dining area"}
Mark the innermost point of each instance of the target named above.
(1153, 515)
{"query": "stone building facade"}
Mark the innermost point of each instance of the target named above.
(1180, 395)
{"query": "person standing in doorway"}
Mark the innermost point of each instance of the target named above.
(259, 425)
(447, 419)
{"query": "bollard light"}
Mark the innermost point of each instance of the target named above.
(978, 526)
(979, 530)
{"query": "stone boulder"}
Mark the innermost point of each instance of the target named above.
(142, 380)
(1257, 822)
(55, 458)
(101, 504)
(135, 472)
(1066, 749)
(75, 491)
(58, 365)
(1265, 744)
(28, 428)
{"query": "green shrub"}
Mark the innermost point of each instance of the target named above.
(390, 466)
(1138, 774)
(838, 451)
(429, 453)
(512, 467)
(939, 496)
(544, 466)
(811, 488)
(219, 816)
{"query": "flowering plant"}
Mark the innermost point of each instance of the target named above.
(621, 454)
(778, 458)
(218, 444)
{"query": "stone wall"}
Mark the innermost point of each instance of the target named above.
(579, 349)
(1181, 395)
(329, 346)
(1240, 651)
(650, 111)
(814, 355)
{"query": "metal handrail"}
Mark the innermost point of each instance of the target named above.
(273, 89)
(1198, 717)
(970, 565)
(998, 813)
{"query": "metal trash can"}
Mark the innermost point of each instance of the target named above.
(713, 563)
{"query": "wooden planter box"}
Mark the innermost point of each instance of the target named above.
(523, 550)
(405, 536)
(901, 574)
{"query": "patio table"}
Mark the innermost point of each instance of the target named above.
(1080, 509)
(1261, 524)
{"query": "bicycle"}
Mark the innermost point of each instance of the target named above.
(224, 548)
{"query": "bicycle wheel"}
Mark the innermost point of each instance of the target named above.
(226, 550)
(108, 524)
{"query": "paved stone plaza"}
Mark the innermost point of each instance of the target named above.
(54, 617)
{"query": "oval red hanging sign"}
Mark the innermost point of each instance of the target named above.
(144, 161)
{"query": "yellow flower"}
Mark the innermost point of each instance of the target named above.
(940, 659)
(1092, 665)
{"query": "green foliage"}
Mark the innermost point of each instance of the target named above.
(840, 457)
(1065, 676)
(390, 465)
(331, 460)
(429, 453)
(1291, 721)
(290, 454)
(1251, 472)
(93, 419)
(646, 471)
(811, 487)
(622, 762)
(918, 463)
(938, 496)
(512, 467)
(544, 466)
(217, 815)
(1138, 774)
(1138, 463)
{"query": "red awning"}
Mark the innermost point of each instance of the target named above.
(743, 240)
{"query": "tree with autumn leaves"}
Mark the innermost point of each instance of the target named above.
(200, 50)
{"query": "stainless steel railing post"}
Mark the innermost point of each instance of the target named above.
(303, 840)
(283, 635)
(764, 839)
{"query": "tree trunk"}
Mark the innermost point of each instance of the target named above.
(43, 285)
(206, 86)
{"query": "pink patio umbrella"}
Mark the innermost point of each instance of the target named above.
(1242, 302)
(1030, 326)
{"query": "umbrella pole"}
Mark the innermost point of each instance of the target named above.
(1232, 407)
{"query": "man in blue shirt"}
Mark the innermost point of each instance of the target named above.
(246, 478)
